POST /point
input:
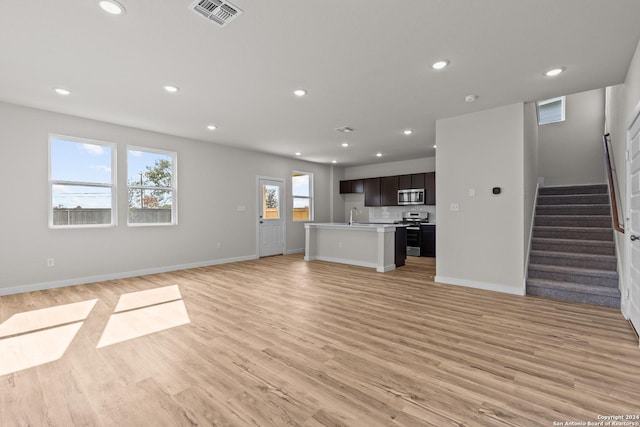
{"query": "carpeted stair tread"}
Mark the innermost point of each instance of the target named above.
(591, 221)
(574, 199)
(575, 189)
(573, 209)
(578, 233)
(575, 270)
(573, 259)
(573, 245)
(572, 292)
(574, 287)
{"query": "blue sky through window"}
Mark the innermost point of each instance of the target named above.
(80, 163)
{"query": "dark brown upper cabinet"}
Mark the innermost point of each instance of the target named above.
(372, 192)
(414, 180)
(352, 186)
(389, 191)
(430, 188)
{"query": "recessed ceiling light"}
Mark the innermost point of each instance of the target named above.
(171, 89)
(334, 161)
(300, 92)
(554, 72)
(378, 154)
(112, 7)
(440, 64)
(298, 153)
(407, 132)
(212, 127)
(345, 144)
(470, 98)
(434, 146)
(61, 91)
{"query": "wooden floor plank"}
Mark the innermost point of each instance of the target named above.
(280, 341)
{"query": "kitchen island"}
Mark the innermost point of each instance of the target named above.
(365, 245)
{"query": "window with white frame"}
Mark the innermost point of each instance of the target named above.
(551, 110)
(151, 186)
(82, 182)
(302, 191)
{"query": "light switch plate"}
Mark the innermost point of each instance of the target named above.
(472, 192)
(241, 208)
(454, 207)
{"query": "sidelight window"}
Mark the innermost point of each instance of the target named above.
(302, 190)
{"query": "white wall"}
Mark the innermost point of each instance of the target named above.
(481, 245)
(212, 181)
(391, 213)
(571, 152)
(424, 164)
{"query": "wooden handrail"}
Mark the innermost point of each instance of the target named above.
(612, 183)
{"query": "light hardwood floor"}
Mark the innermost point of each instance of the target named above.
(284, 342)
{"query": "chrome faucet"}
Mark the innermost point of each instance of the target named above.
(351, 214)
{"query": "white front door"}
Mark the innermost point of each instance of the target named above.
(270, 217)
(632, 229)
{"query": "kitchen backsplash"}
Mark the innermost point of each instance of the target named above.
(394, 213)
(381, 214)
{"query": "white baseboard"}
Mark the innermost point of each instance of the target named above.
(294, 251)
(344, 261)
(105, 277)
(497, 287)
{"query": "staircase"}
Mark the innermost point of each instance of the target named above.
(573, 253)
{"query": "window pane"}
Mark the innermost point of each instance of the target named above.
(76, 205)
(551, 110)
(271, 201)
(150, 206)
(151, 186)
(149, 169)
(300, 185)
(301, 209)
(80, 162)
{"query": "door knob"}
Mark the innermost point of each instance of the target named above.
(634, 238)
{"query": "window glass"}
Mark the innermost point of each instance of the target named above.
(81, 182)
(551, 110)
(151, 186)
(271, 201)
(302, 191)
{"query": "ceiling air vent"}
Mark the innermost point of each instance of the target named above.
(218, 11)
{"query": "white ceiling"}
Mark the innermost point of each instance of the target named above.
(364, 63)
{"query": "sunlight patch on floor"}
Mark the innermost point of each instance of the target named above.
(148, 313)
(33, 338)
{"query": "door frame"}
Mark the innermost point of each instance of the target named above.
(283, 214)
(628, 311)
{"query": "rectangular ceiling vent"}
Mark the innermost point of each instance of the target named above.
(219, 11)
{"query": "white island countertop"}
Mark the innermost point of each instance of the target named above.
(365, 245)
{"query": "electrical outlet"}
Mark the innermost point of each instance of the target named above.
(218, 245)
(454, 207)
(50, 262)
(340, 245)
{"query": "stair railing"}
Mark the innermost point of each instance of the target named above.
(613, 188)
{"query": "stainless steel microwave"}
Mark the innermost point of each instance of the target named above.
(414, 196)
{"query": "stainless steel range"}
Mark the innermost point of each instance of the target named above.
(413, 220)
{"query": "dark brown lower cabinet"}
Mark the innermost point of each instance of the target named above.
(428, 240)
